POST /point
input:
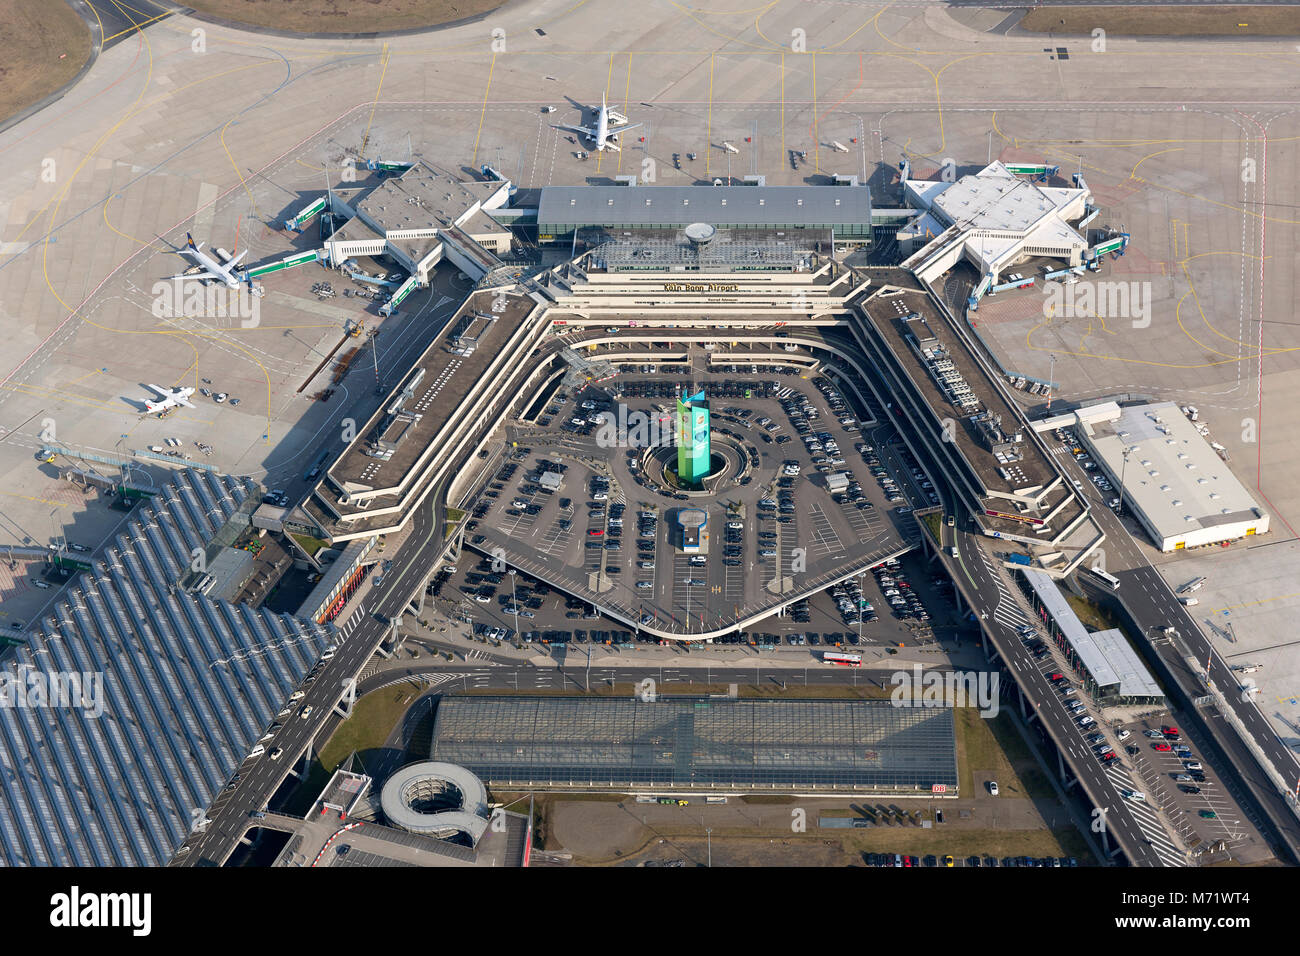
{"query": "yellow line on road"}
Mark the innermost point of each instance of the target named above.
(708, 154)
(483, 112)
(383, 59)
(627, 90)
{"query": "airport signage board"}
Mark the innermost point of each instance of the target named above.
(1011, 517)
(701, 287)
(939, 788)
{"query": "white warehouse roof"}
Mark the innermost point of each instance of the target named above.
(1184, 492)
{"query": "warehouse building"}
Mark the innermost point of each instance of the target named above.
(1173, 481)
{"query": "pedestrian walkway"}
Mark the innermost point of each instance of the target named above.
(1008, 611)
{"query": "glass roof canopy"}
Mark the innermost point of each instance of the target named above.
(701, 744)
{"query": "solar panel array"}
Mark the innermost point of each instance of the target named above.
(188, 686)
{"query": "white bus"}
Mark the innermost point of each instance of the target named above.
(1109, 579)
(843, 660)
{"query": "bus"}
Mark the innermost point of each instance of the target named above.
(1109, 579)
(843, 660)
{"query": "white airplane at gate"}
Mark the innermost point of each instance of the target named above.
(223, 271)
(171, 397)
(604, 135)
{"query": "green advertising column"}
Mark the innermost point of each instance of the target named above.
(693, 453)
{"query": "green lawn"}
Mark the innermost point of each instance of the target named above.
(373, 719)
(1094, 617)
(309, 544)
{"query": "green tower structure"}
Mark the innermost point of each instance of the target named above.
(693, 453)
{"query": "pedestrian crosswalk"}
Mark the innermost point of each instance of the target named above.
(1008, 611)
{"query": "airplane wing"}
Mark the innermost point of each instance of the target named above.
(621, 129)
(584, 130)
(205, 273)
(238, 256)
(183, 401)
(162, 392)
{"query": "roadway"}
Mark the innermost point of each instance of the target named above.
(1149, 599)
(359, 638)
(977, 578)
(988, 594)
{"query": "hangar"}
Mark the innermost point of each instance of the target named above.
(1170, 477)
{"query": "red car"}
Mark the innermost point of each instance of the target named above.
(596, 532)
(1161, 747)
(1107, 758)
(907, 861)
(1056, 677)
(1170, 732)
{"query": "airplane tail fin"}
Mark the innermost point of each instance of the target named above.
(189, 240)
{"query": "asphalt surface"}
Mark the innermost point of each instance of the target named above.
(359, 639)
(113, 21)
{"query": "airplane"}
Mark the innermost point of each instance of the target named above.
(604, 134)
(839, 147)
(171, 398)
(224, 270)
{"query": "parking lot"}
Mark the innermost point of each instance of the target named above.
(791, 514)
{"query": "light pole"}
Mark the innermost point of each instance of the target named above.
(1051, 380)
(708, 837)
(514, 602)
(862, 576)
(1128, 449)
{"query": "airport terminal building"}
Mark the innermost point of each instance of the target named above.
(820, 214)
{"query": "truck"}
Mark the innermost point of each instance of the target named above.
(1016, 558)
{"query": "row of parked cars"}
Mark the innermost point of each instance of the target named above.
(853, 607)
(1085, 461)
(1168, 740)
(897, 590)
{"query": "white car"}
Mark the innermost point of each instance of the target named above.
(219, 397)
(1137, 795)
(1124, 734)
(993, 788)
